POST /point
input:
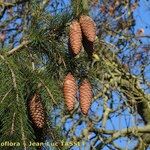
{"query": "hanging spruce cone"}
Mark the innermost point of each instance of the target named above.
(88, 27)
(75, 37)
(85, 96)
(36, 111)
(70, 90)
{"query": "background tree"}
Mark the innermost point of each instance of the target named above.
(35, 59)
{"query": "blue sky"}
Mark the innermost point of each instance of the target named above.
(142, 15)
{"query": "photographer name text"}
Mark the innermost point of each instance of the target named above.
(36, 144)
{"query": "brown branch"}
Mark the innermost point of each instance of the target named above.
(106, 112)
(115, 134)
(143, 36)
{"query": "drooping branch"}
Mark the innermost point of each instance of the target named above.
(15, 87)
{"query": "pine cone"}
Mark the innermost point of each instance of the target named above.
(70, 90)
(85, 96)
(36, 111)
(75, 37)
(88, 27)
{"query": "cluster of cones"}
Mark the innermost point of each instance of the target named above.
(82, 32)
(70, 93)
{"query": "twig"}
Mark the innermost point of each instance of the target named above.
(13, 124)
(6, 95)
(143, 36)
(106, 113)
(48, 91)
(18, 48)
(23, 135)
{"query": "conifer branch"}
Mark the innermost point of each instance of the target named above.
(17, 100)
